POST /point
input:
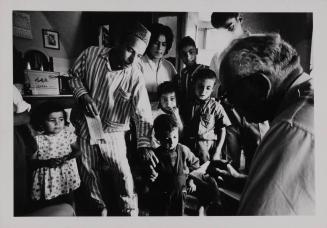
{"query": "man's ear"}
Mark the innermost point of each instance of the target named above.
(258, 85)
(196, 50)
(263, 83)
(240, 19)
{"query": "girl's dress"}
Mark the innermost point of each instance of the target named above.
(49, 183)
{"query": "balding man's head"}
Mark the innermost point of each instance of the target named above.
(254, 69)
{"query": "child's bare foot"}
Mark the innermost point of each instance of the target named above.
(104, 212)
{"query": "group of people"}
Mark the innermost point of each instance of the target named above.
(204, 117)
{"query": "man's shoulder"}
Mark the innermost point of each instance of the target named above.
(168, 65)
(295, 123)
(142, 60)
(96, 51)
(300, 111)
(297, 116)
(136, 72)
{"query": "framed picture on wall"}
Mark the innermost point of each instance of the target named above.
(50, 39)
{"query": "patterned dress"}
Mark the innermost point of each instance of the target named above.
(48, 183)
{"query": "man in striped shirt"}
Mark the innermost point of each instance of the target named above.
(107, 83)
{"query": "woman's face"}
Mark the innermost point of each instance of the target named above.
(158, 48)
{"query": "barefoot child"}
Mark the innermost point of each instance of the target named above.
(205, 129)
(55, 174)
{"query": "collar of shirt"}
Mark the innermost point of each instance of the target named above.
(152, 63)
(301, 87)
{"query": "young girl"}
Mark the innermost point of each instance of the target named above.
(55, 174)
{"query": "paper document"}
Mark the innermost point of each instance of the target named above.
(95, 129)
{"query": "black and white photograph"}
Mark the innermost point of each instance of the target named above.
(50, 39)
(203, 114)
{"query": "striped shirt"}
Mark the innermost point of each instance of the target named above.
(118, 94)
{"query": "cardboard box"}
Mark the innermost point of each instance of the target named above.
(43, 82)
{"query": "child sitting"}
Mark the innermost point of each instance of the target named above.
(55, 174)
(188, 52)
(167, 105)
(205, 126)
(175, 163)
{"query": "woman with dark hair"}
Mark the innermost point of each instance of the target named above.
(154, 67)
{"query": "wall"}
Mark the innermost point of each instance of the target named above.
(70, 29)
(295, 28)
(171, 22)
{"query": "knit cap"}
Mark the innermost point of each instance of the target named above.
(140, 31)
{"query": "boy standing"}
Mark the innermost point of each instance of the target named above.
(231, 22)
(188, 53)
(205, 126)
(176, 161)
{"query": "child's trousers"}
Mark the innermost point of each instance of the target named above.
(113, 155)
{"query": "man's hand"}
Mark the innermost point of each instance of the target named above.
(191, 187)
(153, 174)
(223, 168)
(151, 161)
(88, 105)
(148, 156)
(217, 167)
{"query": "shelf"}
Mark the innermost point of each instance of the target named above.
(48, 96)
(66, 100)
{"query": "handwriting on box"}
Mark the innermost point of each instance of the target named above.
(43, 82)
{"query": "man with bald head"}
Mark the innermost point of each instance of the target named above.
(264, 80)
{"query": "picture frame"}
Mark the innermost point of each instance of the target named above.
(51, 39)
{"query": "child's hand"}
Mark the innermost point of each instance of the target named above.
(172, 110)
(54, 162)
(76, 151)
(191, 187)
